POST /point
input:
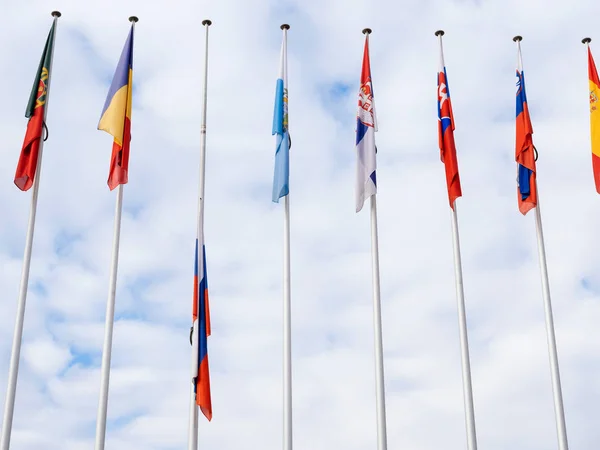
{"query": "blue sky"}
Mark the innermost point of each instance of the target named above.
(333, 366)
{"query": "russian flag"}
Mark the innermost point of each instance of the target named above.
(116, 115)
(366, 125)
(201, 328)
(525, 152)
(446, 133)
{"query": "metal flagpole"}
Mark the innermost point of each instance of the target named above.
(464, 342)
(287, 317)
(561, 428)
(110, 315)
(462, 316)
(193, 421)
(379, 378)
(13, 371)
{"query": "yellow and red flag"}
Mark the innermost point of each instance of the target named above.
(594, 118)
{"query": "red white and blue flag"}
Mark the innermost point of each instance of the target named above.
(446, 133)
(200, 333)
(525, 152)
(366, 126)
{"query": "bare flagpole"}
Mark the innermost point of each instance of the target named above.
(13, 371)
(559, 411)
(462, 316)
(193, 422)
(379, 378)
(110, 316)
(287, 293)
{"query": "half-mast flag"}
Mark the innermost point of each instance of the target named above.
(201, 326)
(525, 152)
(27, 165)
(116, 115)
(366, 125)
(446, 133)
(594, 118)
(281, 178)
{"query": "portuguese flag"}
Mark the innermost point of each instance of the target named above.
(35, 112)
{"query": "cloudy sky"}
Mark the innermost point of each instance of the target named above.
(333, 359)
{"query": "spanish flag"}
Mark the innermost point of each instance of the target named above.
(116, 115)
(525, 151)
(28, 160)
(594, 118)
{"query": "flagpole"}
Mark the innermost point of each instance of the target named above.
(13, 371)
(110, 315)
(561, 428)
(379, 378)
(193, 414)
(464, 342)
(287, 316)
(462, 316)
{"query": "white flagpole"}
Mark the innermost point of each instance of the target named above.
(110, 316)
(462, 315)
(464, 342)
(193, 417)
(377, 328)
(287, 317)
(561, 428)
(13, 371)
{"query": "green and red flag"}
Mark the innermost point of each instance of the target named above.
(27, 165)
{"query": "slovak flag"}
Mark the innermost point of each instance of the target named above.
(525, 153)
(366, 126)
(200, 333)
(446, 133)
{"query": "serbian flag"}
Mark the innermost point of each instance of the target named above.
(36, 108)
(281, 177)
(594, 117)
(525, 153)
(366, 126)
(446, 133)
(116, 115)
(200, 333)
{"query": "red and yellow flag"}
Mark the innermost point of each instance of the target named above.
(594, 117)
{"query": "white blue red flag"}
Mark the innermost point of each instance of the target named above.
(366, 125)
(281, 178)
(446, 133)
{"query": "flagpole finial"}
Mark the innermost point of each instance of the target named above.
(586, 40)
(367, 31)
(285, 26)
(133, 19)
(207, 22)
(517, 38)
(56, 14)
(439, 33)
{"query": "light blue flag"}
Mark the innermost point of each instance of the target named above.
(281, 178)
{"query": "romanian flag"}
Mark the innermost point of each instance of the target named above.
(36, 109)
(594, 118)
(116, 115)
(446, 133)
(201, 328)
(525, 152)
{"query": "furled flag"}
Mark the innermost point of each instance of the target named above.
(27, 165)
(281, 178)
(366, 125)
(200, 332)
(446, 133)
(525, 151)
(594, 117)
(116, 115)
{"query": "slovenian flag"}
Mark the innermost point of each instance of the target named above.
(366, 125)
